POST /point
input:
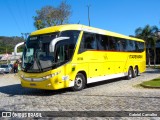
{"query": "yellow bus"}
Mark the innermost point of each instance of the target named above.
(74, 55)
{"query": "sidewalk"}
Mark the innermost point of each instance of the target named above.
(9, 79)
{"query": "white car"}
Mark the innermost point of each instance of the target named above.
(5, 68)
(2, 70)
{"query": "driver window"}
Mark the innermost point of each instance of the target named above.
(63, 53)
(29, 55)
(60, 55)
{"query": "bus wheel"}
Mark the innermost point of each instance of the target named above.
(135, 72)
(79, 82)
(129, 75)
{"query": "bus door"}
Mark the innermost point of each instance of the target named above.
(63, 55)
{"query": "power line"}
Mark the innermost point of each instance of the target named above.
(12, 15)
(26, 11)
(21, 15)
(88, 6)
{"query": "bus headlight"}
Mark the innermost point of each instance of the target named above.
(22, 76)
(48, 76)
(51, 75)
(39, 79)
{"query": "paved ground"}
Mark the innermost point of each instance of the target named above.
(113, 95)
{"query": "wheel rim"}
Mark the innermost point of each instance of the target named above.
(135, 71)
(130, 73)
(78, 82)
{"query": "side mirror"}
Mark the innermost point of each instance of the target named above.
(54, 41)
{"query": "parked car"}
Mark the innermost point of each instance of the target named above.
(11, 65)
(5, 68)
(2, 70)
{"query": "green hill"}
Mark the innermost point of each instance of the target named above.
(7, 44)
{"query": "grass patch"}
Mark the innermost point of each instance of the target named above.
(154, 67)
(138, 86)
(155, 83)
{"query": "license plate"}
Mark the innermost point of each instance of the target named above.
(32, 84)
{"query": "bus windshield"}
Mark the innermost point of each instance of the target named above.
(37, 56)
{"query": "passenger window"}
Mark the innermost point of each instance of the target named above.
(123, 45)
(103, 43)
(140, 46)
(118, 44)
(131, 46)
(136, 46)
(112, 44)
(88, 42)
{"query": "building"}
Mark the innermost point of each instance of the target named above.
(157, 51)
(9, 58)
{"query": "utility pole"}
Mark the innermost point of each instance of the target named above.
(88, 6)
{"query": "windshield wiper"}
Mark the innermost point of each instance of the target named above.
(28, 66)
(37, 61)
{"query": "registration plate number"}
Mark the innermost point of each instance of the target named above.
(32, 84)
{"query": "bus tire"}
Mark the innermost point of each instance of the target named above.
(129, 74)
(79, 82)
(135, 72)
(138, 73)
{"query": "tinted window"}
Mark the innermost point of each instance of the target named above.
(131, 46)
(73, 34)
(88, 42)
(112, 44)
(103, 43)
(140, 46)
(4, 66)
(124, 45)
(118, 44)
(68, 48)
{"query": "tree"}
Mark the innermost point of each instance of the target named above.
(149, 34)
(7, 44)
(64, 12)
(51, 16)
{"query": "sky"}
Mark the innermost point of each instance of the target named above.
(121, 16)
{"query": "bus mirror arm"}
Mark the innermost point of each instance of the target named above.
(15, 48)
(54, 41)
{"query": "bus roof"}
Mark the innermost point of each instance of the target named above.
(81, 27)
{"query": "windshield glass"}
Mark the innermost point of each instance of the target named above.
(38, 58)
(4, 66)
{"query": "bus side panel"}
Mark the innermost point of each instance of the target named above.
(136, 59)
(94, 63)
(117, 60)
